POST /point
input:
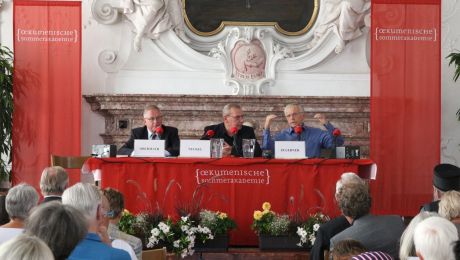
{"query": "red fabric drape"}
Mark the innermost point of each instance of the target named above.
(47, 80)
(405, 103)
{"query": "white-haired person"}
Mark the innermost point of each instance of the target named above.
(434, 239)
(449, 208)
(406, 244)
(53, 182)
(88, 200)
(18, 203)
(24, 247)
(329, 229)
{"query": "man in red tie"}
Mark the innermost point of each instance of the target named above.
(153, 129)
(315, 139)
(232, 131)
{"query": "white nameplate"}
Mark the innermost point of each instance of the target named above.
(195, 148)
(290, 150)
(149, 148)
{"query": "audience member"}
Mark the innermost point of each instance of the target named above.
(374, 255)
(19, 201)
(406, 245)
(116, 207)
(347, 248)
(446, 177)
(88, 200)
(24, 247)
(232, 131)
(449, 207)
(331, 228)
(60, 226)
(314, 138)
(153, 129)
(434, 239)
(53, 182)
(376, 233)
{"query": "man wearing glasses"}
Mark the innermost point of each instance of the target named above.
(153, 129)
(232, 131)
(314, 138)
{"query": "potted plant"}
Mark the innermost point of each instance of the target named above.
(220, 224)
(455, 59)
(6, 111)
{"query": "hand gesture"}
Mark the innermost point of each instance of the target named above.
(321, 118)
(268, 121)
(226, 150)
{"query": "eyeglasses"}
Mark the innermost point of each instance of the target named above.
(293, 114)
(154, 118)
(241, 117)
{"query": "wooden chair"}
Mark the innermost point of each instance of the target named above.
(68, 162)
(154, 254)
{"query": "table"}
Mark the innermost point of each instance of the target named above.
(236, 186)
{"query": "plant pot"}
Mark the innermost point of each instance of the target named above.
(268, 242)
(218, 244)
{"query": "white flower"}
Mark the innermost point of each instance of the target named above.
(176, 243)
(315, 227)
(155, 232)
(312, 240)
(163, 227)
(184, 228)
(184, 219)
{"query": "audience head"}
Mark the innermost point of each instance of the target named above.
(347, 248)
(354, 200)
(434, 238)
(152, 117)
(60, 226)
(407, 247)
(20, 200)
(25, 247)
(446, 177)
(86, 198)
(54, 181)
(449, 206)
(294, 114)
(233, 116)
(116, 203)
(347, 177)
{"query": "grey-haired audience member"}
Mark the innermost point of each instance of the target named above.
(449, 208)
(53, 182)
(19, 201)
(406, 245)
(434, 239)
(60, 226)
(87, 199)
(24, 247)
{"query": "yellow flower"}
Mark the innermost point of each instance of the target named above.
(126, 212)
(222, 215)
(266, 206)
(265, 212)
(257, 215)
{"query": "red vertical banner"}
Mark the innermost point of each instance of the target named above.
(405, 103)
(47, 85)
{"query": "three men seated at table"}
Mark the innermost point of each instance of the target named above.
(233, 132)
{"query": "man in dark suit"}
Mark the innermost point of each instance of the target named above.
(53, 182)
(446, 177)
(153, 129)
(232, 131)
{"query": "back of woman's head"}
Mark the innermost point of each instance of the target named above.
(24, 247)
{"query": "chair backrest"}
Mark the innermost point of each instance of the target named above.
(68, 162)
(154, 254)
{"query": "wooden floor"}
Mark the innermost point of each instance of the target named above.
(248, 254)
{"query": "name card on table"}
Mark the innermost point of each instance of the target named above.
(290, 150)
(149, 148)
(195, 148)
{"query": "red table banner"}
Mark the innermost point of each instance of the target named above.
(232, 185)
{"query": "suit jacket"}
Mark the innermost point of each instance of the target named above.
(245, 132)
(376, 233)
(431, 207)
(51, 198)
(170, 135)
(324, 234)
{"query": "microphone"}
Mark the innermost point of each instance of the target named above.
(335, 134)
(159, 131)
(234, 131)
(209, 134)
(298, 130)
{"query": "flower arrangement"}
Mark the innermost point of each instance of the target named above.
(218, 222)
(139, 225)
(267, 222)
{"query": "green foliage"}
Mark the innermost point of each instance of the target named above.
(139, 225)
(218, 222)
(455, 59)
(6, 109)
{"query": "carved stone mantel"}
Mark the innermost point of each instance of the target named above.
(191, 113)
